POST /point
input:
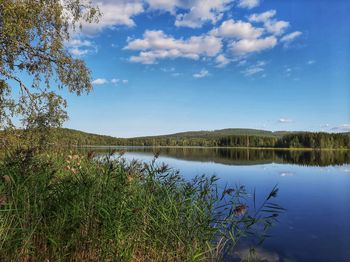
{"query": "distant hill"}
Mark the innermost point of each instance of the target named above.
(223, 132)
(230, 137)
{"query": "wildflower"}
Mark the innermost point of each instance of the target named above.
(240, 210)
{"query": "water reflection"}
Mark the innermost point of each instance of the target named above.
(314, 188)
(229, 156)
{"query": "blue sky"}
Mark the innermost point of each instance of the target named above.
(177, 65)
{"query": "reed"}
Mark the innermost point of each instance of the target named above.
(59, 207)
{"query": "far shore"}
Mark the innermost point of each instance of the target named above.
(216, 147)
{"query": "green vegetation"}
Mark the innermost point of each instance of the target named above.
(221, 138)
(34, 60)
(248, 138)
(61, 207)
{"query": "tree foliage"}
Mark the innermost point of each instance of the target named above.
(34, 63)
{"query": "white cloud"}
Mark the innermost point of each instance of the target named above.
(276, 27)
(79, 47)
(157, 45)
(239, 29)
(290, 37)
(193, 13)
(242, 62)
(114, 13)
(252, 71)
(248, 3)
(78, 52)
(311, 62)
(116, 81)
(287, 39)
(263, 17)
(201, 74)
(168, 5)
(246, 46)
(222, 61)
(342, 128)
(273, 26)
(100, 81)
(202, 11)
(255, 68)
(285, 120)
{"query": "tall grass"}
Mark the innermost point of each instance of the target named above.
(59, 207)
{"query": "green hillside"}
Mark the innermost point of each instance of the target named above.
(222, 132)
(231, 137)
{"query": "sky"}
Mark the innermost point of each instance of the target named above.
(162, 67)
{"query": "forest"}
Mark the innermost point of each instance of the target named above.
(246, 138)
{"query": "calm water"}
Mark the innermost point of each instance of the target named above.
(314, 188)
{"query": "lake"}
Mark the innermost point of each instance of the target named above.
(314, 188)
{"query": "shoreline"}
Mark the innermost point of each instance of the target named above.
(215, 147)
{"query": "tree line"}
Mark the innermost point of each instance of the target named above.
(74, 138)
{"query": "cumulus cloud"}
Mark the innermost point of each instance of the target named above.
(276, 27)
(246, 46)
(194, 13)
(201, 74)
(287, 39)
(342, 128)
(285, 120)
(248, 3)
(239, 29)
(115, 13)
(100, 81)
(202, 11)
(157, 45)
(262, 17)
(168, 5)
(273, 26)
(219, 45)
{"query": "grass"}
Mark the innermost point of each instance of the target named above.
(71, 207)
